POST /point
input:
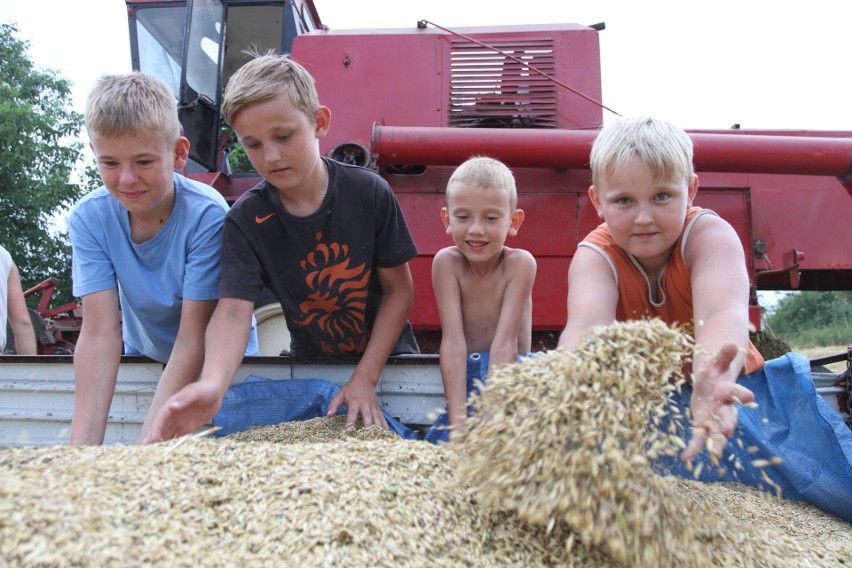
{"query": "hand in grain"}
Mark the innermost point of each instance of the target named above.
(359, 395)
(185, 412)
(713, 403)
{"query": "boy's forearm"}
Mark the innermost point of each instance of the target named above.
(390, 321)
(503, 350)
(225, 346)
(96, 362)
(25, 340)
(183, 368)
(571, 335)
(453, 363)
(714, 332)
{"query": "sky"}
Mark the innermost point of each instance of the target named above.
(700, 64)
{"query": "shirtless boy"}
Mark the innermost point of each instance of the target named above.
(483, 288)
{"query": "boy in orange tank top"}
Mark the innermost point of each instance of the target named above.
(656, 256)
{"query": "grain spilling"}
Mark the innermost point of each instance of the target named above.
(563, 440)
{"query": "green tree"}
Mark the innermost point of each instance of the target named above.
(38, 153)
(237, 158)
(814, 318)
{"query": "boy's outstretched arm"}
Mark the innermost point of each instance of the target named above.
(96, 359)
(359, 394)
(517, 305)
(720, 291)
(197, 403)
(187, 357)
(453, 349)
(592, 296)
(19, 315)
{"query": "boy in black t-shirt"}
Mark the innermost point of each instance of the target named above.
(329, 240)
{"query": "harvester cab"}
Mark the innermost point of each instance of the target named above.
(196, 47)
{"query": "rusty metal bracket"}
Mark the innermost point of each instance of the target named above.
(791, 260)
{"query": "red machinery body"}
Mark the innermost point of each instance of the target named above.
(414, 103)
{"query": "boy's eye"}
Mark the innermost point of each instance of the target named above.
(492, 218)
(284, 137)
(251, 145)
(662, 196)
(623, 201)
(145, 162)
(461, 217)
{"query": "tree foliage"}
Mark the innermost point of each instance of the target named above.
(38, 153)
(237, 158)
(814, 318)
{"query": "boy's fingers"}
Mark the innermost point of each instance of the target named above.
(352, 418)
(736, 393)
(726, 356)
(699, 435)
(334, 404)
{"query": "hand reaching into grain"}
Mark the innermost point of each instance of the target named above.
(359, 396)
(714, 398)
(185, 412)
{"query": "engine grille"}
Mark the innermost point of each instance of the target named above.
(490, 90)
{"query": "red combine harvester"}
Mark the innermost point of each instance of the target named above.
(414, 103)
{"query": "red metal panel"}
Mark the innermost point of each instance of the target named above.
(402, 76)
(732, 205)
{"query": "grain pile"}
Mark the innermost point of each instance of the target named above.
(310, 494)
(562, 440)
(311, 431)
(225, 503)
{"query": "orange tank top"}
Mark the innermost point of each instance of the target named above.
(674, 302)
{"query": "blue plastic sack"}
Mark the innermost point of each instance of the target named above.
(791, 422)
(259, 401)
(477, 370)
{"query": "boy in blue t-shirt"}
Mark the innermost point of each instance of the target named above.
(146, 250)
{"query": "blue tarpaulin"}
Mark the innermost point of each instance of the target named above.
(791, 422)
(259, 401)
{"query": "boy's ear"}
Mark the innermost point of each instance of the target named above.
(322, 121)
(693, 189)
(181, 152)
(517, 220)
(445, 217)
(593, 197)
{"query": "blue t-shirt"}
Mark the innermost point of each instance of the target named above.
(154, 277)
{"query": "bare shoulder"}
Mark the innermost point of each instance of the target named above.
(447, 257)
(711, 225)
(516, 258)
(446, 266)
(710, 233)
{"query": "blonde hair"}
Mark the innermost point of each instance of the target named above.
(663, 147)
(126, 103)
(486, 172)
(265, 77)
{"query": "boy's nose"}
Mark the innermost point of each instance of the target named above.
(271, 155)
(127, 176)
(644, 215)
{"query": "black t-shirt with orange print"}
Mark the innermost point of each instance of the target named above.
(320, 267)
